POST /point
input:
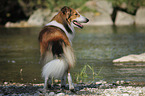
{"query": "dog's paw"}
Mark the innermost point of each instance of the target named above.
(71, 87)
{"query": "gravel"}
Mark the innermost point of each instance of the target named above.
(100, 88)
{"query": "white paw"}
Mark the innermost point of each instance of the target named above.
(71, 87)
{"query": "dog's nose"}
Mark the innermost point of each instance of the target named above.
(87, 20)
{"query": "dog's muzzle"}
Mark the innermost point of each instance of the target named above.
(79, 20)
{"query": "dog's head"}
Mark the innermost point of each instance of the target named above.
(72, 16)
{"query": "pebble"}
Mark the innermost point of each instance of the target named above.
(60, 94)
(46, 94)
(51, 93)
(13, 61)
(98, 82)
(5, 83)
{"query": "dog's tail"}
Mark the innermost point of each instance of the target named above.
(55, 68)
(63, 60)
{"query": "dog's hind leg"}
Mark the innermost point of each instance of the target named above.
(63, 80)
(71, 87)
(49, 82)
(45, 83)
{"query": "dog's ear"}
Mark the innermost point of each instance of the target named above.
(66, 11)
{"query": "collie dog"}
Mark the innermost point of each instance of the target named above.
(55, 46)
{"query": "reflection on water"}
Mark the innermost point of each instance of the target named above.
(94, 45)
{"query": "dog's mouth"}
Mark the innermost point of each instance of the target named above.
(77, 24)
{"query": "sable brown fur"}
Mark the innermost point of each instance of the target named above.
(49, 34)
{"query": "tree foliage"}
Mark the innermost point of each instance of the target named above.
(57, 4)
(53, 5)
(131, 5)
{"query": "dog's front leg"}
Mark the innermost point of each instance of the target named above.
(70, 82)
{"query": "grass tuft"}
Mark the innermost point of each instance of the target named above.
(82, 75)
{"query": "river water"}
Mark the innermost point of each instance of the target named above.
(95, 46)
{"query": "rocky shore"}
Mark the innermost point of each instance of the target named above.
(100, 88)
(103, 14)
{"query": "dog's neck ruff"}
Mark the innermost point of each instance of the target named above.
(59, 25)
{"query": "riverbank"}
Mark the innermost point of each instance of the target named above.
(101, 88)
(97, 11)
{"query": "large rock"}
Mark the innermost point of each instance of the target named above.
(103, 6)
(98, 19)
(140, 16)
(103, 12)
(39, 17)
(123, 18)
(91, 4)
(18, 24)
(131, 58)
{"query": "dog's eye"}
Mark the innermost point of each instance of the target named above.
(76, 14)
